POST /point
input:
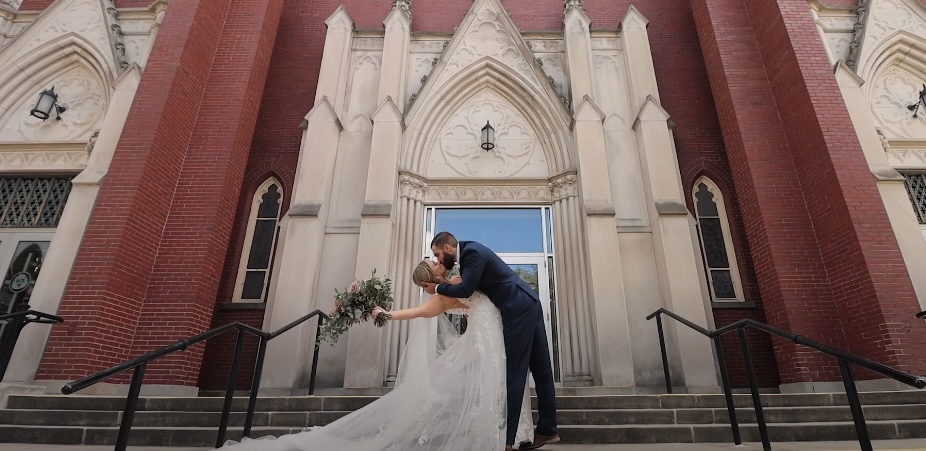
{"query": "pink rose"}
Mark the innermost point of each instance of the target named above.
(354, 288)
(336, 308)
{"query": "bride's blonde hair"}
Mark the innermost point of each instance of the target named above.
(424, 274)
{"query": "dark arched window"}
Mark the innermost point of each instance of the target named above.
(716, 242)
(259, 243)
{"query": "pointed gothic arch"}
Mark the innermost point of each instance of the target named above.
(39, 68)
(429, 113)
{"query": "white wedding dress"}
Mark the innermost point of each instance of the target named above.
(449, 400)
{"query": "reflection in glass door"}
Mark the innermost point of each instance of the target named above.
(522, 237)
(21, 259)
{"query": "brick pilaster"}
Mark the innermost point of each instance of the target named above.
(825, 256)
(148, 268)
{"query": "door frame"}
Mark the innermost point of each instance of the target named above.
(543, 276)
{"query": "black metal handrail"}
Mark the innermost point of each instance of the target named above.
(844, 358)
(21, 316)
(139, 364)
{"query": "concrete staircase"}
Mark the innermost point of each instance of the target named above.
(584, 416)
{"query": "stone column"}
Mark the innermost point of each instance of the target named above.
(577, 339)
(74, 219)
(303, 229)
(406, 252)
(890, 182)
(365, 350)
(677, 254)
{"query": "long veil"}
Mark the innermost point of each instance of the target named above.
(447, 397)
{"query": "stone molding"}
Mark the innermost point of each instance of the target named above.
(28, 157)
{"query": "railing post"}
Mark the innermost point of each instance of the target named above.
(15, 325)
(131, 404)
(754, 386)
(255, 386)
(727, 391)
(318, 332)
(230, 390)
(855, 405)
(665, 357)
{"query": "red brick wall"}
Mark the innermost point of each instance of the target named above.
(806, 190)
(147, 272)
(871, 287)
(113, 268)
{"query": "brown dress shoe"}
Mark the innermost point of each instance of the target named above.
(540, 440)
(509, 448)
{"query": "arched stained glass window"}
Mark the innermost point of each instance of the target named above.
(259, 243)
(716, 242)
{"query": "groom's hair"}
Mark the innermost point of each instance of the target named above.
(444, 238)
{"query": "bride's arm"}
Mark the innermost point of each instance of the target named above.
(429, 309)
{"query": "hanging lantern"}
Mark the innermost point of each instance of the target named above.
(488, 136)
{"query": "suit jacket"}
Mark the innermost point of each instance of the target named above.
(483, 270)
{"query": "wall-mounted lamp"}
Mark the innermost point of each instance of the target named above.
(488, 136)
(48, 100)
(921, 100)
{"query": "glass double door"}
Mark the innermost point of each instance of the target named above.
(21, 257)
(522, 238)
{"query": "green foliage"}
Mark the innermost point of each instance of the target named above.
(355, 305)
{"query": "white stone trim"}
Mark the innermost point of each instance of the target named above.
(727, 239)
(43, 157)
(256, 201)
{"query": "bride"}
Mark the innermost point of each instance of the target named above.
(454, 401)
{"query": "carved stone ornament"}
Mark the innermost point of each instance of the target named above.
(83, 94)
(488, 194)
(412, 187)
(404, 6)
(892, 92)
(43, 161)
(564, 187)
(517, 152)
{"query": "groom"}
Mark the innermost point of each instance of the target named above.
(522, 317)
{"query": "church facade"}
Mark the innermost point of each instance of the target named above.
(168, 167)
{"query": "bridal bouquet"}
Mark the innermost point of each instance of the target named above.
(355, 305)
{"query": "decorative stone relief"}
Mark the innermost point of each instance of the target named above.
(84, 18)
(427, 46)
(892, 92)
(364, 85)
(486, 36)
(612, 86)
(888, 16)
(457, 153)
(554, 65)
(43, 161)
(12, 4)
(420, 67)
(907, 158)
(839, 44)
(547, 45)
(488, 194)
(116, 34)
(564, 187)
(412, 187)
(83, 94)
(606, 44)
(364, 43)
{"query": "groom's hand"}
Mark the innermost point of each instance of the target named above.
(431, 288)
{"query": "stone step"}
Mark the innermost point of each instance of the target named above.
(615, 434)
(181, 419)
(340, 403)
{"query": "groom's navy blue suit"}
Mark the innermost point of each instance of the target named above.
(525, 334)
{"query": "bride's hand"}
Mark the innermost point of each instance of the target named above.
(456, 279)
(379, 311)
